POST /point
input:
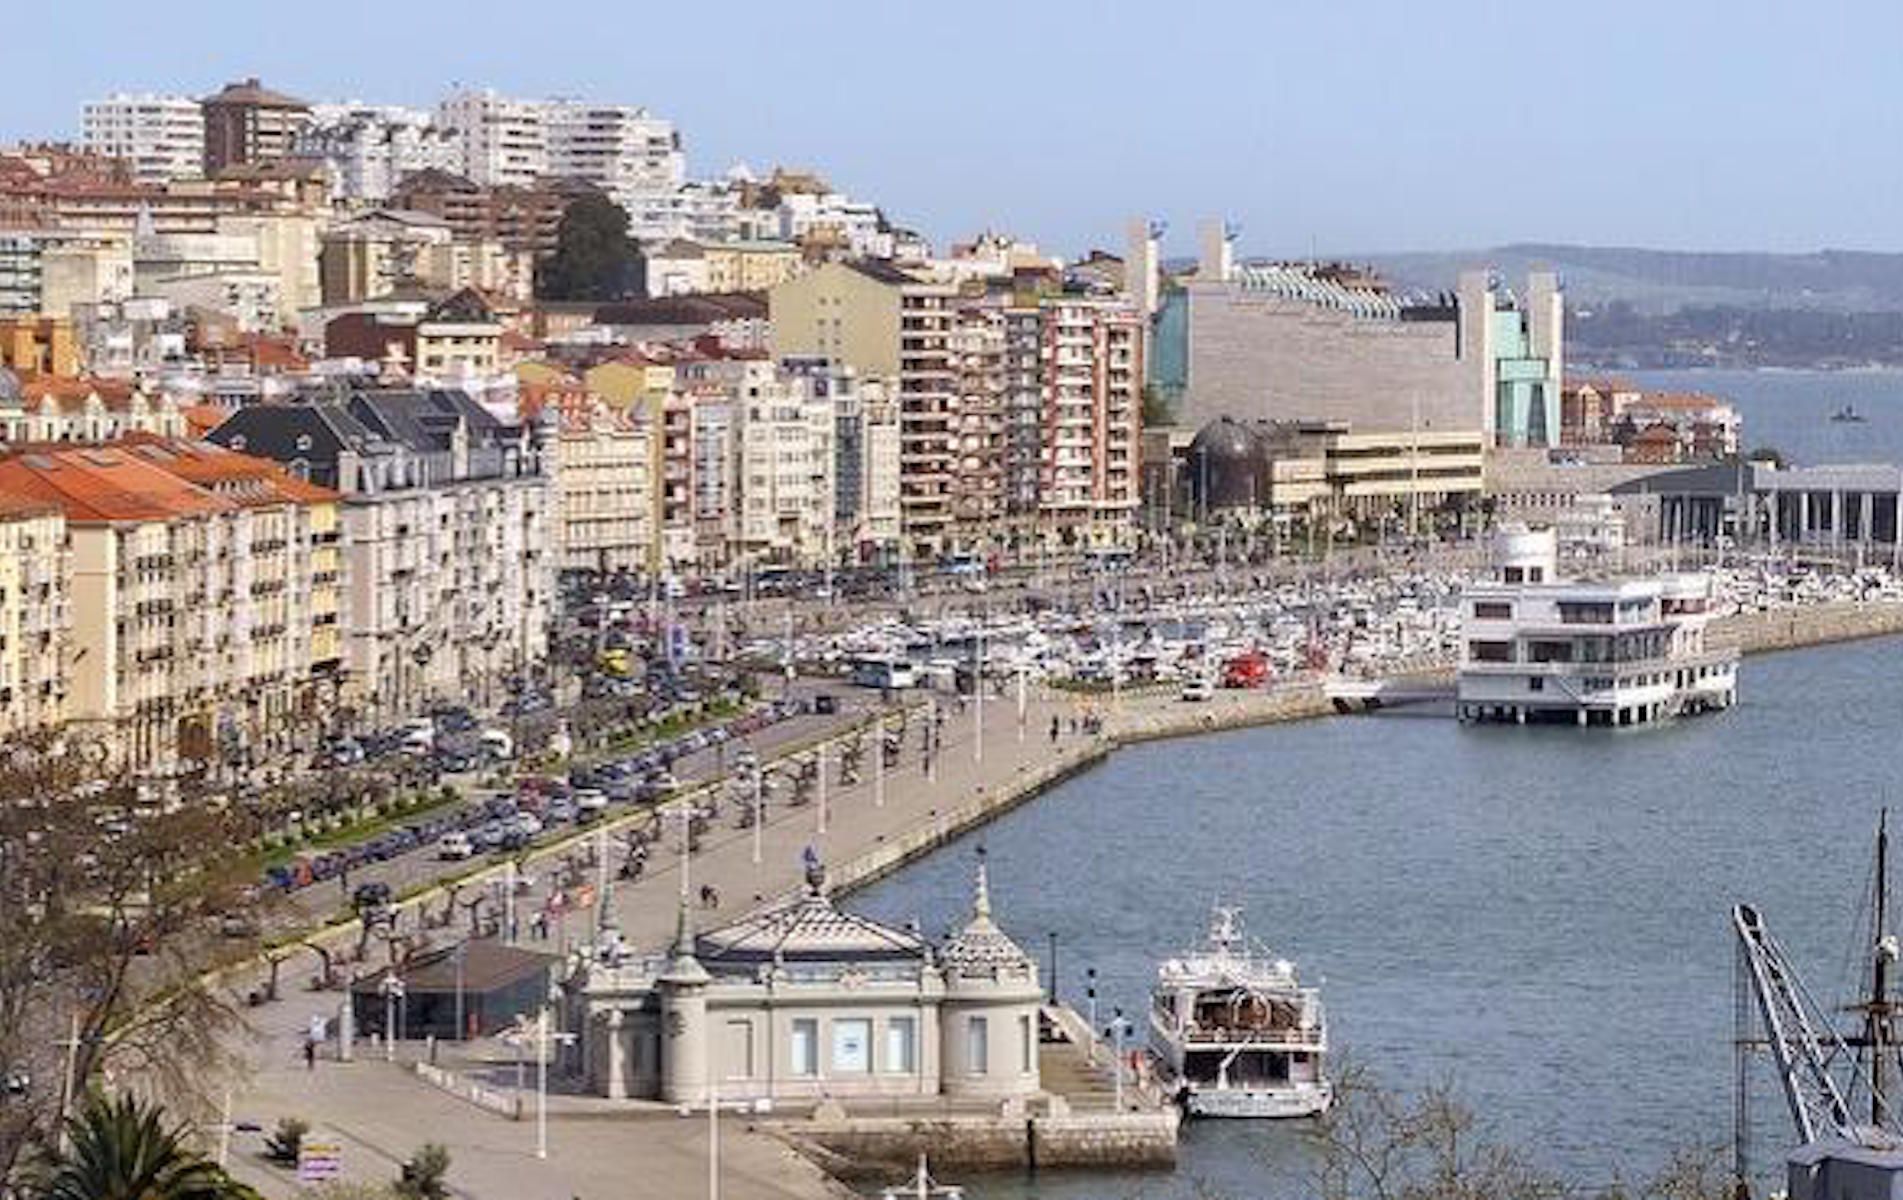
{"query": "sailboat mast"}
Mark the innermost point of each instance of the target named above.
(1877, 1011)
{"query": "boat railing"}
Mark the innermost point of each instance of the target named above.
(1217, 1035)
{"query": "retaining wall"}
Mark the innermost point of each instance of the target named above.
(876, 1146)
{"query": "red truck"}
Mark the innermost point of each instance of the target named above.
(1250, 670)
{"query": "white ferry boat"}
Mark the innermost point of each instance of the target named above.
(1236, 1033)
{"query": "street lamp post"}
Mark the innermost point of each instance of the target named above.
(819, 761)
(462, 949)
(759, 810)
(1119, 1026)
(1090, 994)
(878, 767)
(392, 1014)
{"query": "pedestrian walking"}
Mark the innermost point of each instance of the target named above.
(1054, 729)
(310, 1054)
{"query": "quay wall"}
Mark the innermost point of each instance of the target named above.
(1814, 625)
(880, 1146)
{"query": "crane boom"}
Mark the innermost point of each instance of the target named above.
(1802, 1040)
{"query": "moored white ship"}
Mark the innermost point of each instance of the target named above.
(1236, 1033)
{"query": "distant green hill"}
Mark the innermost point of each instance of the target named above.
(1664, 281)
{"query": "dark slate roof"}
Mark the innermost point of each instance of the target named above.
(250, 91)
(272, 431)
(700, 308)
(464, 307)
(424, 420)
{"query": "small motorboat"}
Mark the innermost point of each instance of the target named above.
(1848, 414)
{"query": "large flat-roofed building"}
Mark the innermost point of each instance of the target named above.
(1288, 341)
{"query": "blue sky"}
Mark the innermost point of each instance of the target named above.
(1328, 126)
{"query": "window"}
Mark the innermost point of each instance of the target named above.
(739, 1050)
(1493, 610)
(805, 1046)
(977, 1045)
(901, 1045)
(852, 1047)
(1027, 1046)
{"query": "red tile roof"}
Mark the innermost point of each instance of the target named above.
(147, 478)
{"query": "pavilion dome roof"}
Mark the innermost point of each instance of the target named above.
(980, 947)
(809, 929)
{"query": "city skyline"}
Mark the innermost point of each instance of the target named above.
(1380, 136)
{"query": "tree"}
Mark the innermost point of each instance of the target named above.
(1376, 1144)
(424, 1177)
(594, 258)
(121, 1149)
(110, 899)
(1767, 454)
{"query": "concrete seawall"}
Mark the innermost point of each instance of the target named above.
(877, 1147)
(1793, 628)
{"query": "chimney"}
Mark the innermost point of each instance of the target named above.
(1215, 251)
(1140, 263)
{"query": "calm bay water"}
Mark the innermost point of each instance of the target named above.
(1539, 915)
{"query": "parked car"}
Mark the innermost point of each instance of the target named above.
(455, 847)
(590, 802)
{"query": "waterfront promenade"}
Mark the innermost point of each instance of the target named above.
(381, 1111)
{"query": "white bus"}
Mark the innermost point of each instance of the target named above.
(884, 671)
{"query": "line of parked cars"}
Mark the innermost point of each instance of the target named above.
(508, 821)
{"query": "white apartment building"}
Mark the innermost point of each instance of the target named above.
(851, 227)
(626, 151)
(34, 615)
(1093, 409)
(163, 137)
(503, 141)
(368, 148)
(784, 430)
(699, 210)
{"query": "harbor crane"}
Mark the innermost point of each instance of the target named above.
(1823, 1072)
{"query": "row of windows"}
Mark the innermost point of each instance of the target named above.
(850, 1050)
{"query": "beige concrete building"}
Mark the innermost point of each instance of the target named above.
(681, 267)
(888, 324)
(602, 463)
(629, 379)
(379, 253)
(802, 1002)
(203, 596)
(35, 633)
